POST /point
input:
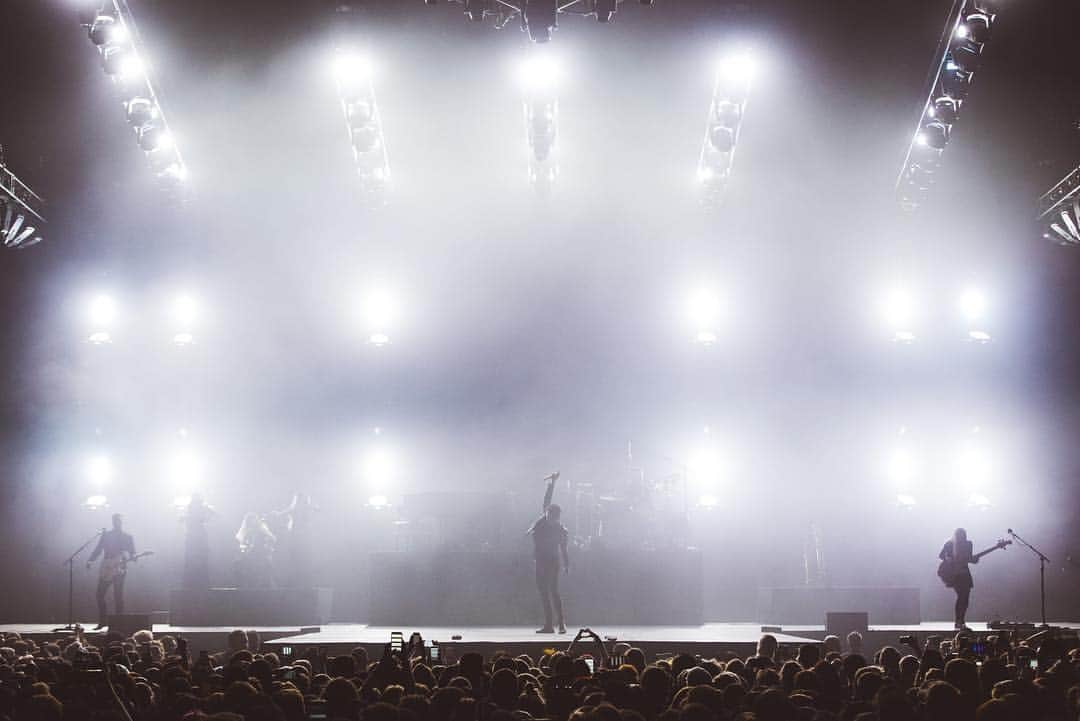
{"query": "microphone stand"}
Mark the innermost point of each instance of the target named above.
(1043, 560)
(70, 563)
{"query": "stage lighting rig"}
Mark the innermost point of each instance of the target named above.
(1059, 211)
(114, 34)
(540, 78)
(356, 92)
(958, 57)
(730, 92)
(21, 211)
(538, 18)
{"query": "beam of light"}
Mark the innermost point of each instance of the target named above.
(350, 67)
(185, 311)
(973, 305)
(378, 502)
(95, 503)
(380, 468)
(738, 68)
(380, 313)
(902, 468)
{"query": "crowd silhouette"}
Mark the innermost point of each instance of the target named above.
(141, 678)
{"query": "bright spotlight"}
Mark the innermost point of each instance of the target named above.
(380, 312)
(902, 467)
(539, 72)
(738, 68)
(99, 470)
(102, 310)
(181, 502)
(704, 468)
(380, 468)
(185, 313)
(962, 31)
(979, 501)
(378, 503)
(973, 305)
(905, 501)
(703, 309)
(349, 67)
(973, 468)
(95, 503)
(708, 501)
(185, 471)
(899, 310)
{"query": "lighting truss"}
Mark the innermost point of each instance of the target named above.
(356, 92)
(114, 33)
(541, 108)
(958, 57)
(1059, 211)
(538, 18)
(730, 94)
(21, 212)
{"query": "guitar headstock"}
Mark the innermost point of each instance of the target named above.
(1002, 543)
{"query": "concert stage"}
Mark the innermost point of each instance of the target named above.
(707, 639)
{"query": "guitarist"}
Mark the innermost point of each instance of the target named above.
(118, 548)
(958, 551)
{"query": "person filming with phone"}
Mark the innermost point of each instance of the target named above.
(550, 538)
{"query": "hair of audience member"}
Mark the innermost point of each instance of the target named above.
(787, 675)
(636, 658)
(942, 702)
(342, 699)
(291, 703)
(855, 642)
(831, 644)
(809, 654)
(766, 646)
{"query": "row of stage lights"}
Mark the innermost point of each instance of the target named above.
(113, 32)
(959, 56)
(704, 310)
(707, 471)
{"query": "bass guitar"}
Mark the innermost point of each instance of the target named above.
(113, 568)
(950, 568)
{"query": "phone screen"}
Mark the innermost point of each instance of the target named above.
(397, 641)
(591, 664)
(434, 654)
(1034, 664)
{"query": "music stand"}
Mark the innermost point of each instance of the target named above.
(71, 583)
(1043, 560)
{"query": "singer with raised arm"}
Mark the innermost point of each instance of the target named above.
(117, 548)
(550, 538)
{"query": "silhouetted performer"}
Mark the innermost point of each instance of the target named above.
(255, 568)
(196, 543)
(959, 551)
(549, 543)
(118, 547)
(294, 527)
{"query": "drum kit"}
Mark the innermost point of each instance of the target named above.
(635, 514)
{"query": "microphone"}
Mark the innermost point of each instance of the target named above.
(552, 476)
(1010, 531)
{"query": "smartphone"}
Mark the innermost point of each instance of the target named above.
(614, 662)
(591, 663)
(397, 642)
(286, 650)
(434, 653)
(978, 648)
(1034, 664)
(907, 640)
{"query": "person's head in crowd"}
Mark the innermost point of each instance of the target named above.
(341, 699)
(254, 643)
(831, 644)
(766, 646)
(237, 640)
(809, 655)
(855, 642)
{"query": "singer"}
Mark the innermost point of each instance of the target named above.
(549, 545)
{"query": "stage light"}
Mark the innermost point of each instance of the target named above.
(704, 468)
(539, 72)
(902, 468)
(185, 313)
(96, 503)
(973, 468)
(185, 472)
(703, 310)
(380, 312)
(905, 501)
(378, 503)
(738, 69)
(99, 470)
(352, 68)
(973, 308)
(979, 501)
(153, 138)
(181, 502)
(102, 316)
(899, 311)
(105, 29)
(708, 502)
(379, 468)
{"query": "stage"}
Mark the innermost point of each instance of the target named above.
(706, 639)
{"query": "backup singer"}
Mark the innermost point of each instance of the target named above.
(549, 544)
(958, 550)
(118, 548)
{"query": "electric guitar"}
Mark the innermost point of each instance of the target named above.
(950, 568)
(114, 568)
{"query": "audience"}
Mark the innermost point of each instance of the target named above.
(141, 678)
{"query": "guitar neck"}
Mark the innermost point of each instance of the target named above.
(980, 554)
